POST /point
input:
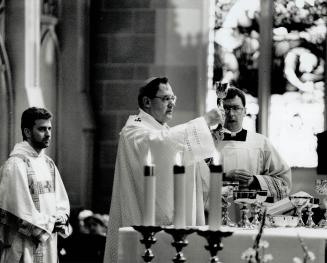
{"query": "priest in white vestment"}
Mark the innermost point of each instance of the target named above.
(34, 205)
(249, 157)
(148, 131)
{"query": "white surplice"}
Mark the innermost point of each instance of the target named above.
(32, 196)
(141, 134)
(258, 156)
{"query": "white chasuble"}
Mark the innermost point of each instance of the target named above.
(258, 156)
(141, 134)
(32, 196)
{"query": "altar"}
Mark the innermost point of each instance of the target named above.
(284, 245)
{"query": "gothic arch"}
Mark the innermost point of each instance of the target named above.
(50, 74)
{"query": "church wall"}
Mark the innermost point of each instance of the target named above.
(14, 41)
(73, 125)
(77, 126)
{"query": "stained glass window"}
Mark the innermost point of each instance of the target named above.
(298, 86)
(297, 101)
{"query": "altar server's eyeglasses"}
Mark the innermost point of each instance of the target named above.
(166, 99)
(235, 109)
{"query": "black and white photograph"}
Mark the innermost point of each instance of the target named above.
(156, 131)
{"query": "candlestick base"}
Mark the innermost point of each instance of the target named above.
(179, 235)
(214, 239)
(148, 233)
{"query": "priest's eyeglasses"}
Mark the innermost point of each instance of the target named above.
(166, 99)
(235, 109)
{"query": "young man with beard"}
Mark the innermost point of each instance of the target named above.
(148, 131)
(34, 205)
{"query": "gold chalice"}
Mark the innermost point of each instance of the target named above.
(221, 91)
(257, 206)
(227, 193)
(299, 202)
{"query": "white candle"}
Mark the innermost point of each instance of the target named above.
(179, 193)
(149, 193)
(215, 194)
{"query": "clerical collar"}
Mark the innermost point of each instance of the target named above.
(233, 134)
(142, 114)
(238, 136)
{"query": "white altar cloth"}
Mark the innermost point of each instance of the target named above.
(283, 245)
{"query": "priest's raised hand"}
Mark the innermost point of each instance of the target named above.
(215, 116)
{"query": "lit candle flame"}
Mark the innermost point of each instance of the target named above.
(178, 160)
(215, 158)
(149, 158)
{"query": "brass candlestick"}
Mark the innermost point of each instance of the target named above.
(244, 199)
(179, 236)
(321, 189)
(214, 239)
(148, 233)
(314, 203)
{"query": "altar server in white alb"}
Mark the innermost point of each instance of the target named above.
(149, 131)
(249, 157)
(34, 205)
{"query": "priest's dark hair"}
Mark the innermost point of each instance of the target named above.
(150, 89)
(29, 117)
(232, 92)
